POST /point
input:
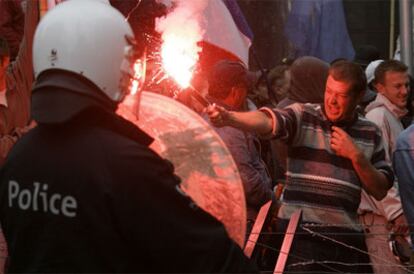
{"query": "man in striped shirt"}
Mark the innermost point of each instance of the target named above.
(333, 154)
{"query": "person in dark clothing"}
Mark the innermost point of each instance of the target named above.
(82, 192)
(228, 85)
(308, 79)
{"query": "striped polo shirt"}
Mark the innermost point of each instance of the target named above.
(325, 186)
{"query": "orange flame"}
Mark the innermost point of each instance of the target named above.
(179, 57)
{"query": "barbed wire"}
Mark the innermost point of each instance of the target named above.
(325, 233)
(307, 230)
(295, 256)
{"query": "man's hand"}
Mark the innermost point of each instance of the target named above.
(342, 144)
(373, 181)
(218, 115)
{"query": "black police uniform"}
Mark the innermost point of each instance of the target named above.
(82, 192)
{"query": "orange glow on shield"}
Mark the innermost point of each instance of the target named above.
(179, 57)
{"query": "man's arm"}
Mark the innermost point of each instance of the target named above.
(373, 181)
(256, 121)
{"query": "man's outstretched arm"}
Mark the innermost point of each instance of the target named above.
(256, 121)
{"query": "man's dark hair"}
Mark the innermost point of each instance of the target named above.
(225, 75)
(351, 73)
(337, 60)
(388, 65)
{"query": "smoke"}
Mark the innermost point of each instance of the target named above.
(184, 20)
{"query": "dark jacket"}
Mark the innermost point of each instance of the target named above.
(88, 195)
(256, 180)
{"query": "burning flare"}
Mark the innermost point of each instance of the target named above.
(181, 31)
(179, 57)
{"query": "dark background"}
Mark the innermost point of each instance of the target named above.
(368, 22)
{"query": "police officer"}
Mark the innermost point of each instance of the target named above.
(82, 192)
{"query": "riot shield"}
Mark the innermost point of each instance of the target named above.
(201, 159)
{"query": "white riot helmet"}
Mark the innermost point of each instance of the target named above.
(86, 37)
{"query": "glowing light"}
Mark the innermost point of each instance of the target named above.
(179, 57)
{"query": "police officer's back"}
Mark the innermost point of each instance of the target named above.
(82, 192)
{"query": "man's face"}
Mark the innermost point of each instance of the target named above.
(281, 86)
(339, 102)
(395, 87)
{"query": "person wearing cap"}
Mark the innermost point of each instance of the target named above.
(82, 192)
(371, 91)
(333, 154)
(228, 85)
(386, 217)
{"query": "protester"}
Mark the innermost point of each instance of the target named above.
(271, 86)
(82, 192)
(333, 155)
(307, 84)
(368, 57)
(228, 86)
(17, 79)
(12, 24)
(371, 91)
(279, 78)
(14, 103)
(384, 218)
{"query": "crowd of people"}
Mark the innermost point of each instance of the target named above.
(81, 191)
